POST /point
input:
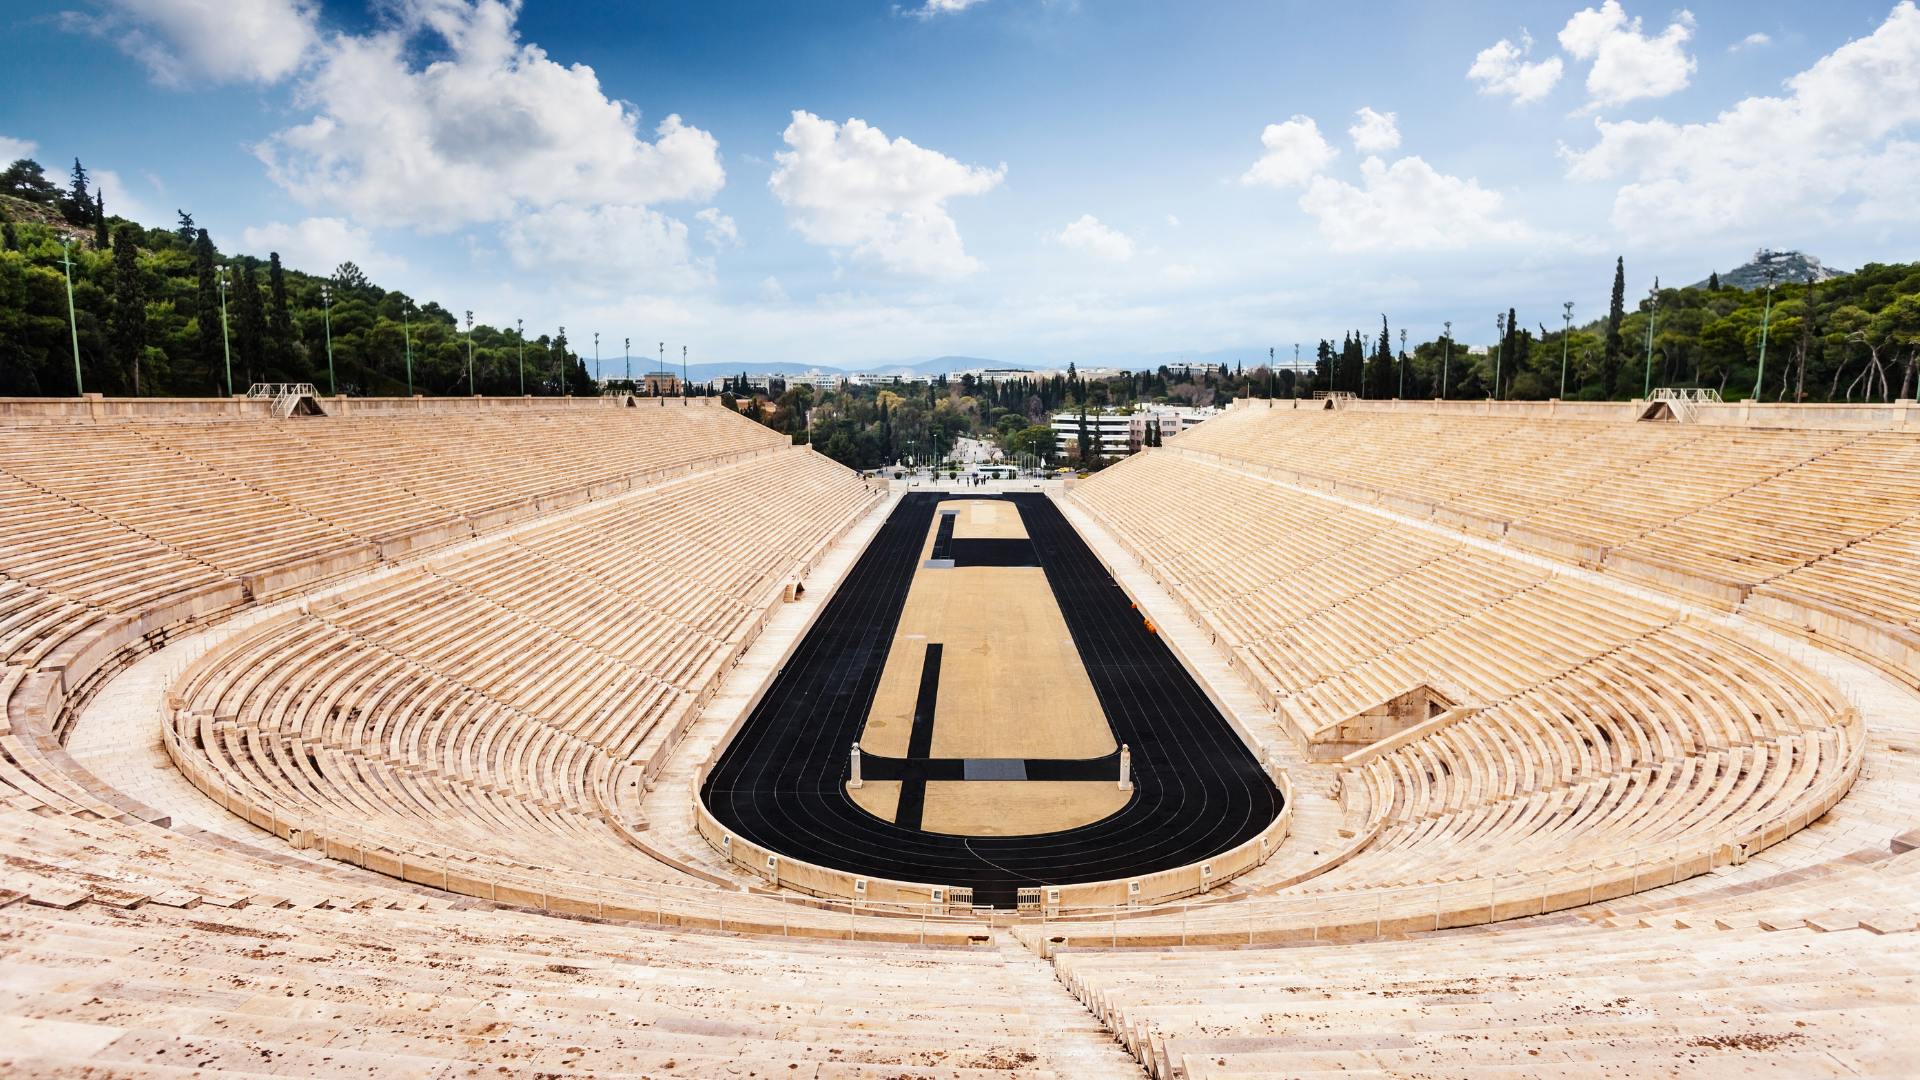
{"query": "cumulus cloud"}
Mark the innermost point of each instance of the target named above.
(607, 246)
(12, 150)
(1408, 205)
(1374, 132)
(1838, 144)
(884, 201)
(488, 129)
(317, 245)
(1295, 151)
(721, 230)
(1752, 41)
(1503, 68)
(187, 41)
(1627, 64)
(1089, 236)
(121, 201)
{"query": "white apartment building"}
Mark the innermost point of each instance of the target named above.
(1121, 433)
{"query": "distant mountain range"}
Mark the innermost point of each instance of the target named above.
(939, 365)
(1788, 267)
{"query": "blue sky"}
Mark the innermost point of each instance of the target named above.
(1029, 180)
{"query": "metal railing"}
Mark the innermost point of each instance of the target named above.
(281, 389)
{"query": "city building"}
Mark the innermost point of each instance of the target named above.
(1122, 432)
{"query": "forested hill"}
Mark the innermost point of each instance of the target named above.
(147, 305)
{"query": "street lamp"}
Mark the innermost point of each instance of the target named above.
(1500, 341)
(1296, 370)
(520, 331)
(73, 322)
(406, 329)
(663, 374)
(326, 314)
(598, 375)
(1766, 316)
(626, 350)
(470, 352)
(683, 373)
(1653, 305)
(226, 346)
(560, 364)
(1446, 359)
(1565, 333)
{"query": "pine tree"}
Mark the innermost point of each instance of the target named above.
(185, 230)
(25, 179)
(279, 320)
(207, 297)
(129, 327)
(101, 241)
(77, 206)
(1616, 311)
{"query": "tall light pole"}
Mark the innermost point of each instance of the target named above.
(683, 372)
(560, 363)
(406, 328)
(1653, 305)
(1500, 341)
(1766, 316)
(1565, 333)
(520, 331)
(663, 374)
(598, 376)
(326, 314)
(73, 321)
(469, 353)
(1446, 360)
(1403, 364)
(1296, 370)
(626, 350)
(226, 346)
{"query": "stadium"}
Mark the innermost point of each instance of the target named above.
(567, 736)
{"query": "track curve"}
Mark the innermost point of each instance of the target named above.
(1197, 789)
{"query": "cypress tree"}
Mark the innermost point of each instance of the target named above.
(279, 320)
(1713, 281)
(9, 238)
(250, 322)
(1616, 311)
(101, 241)
(207, 311)
(129, 327)
(76, 206)
(1380, 367)
(185, 230)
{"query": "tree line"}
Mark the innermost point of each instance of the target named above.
(148, 306)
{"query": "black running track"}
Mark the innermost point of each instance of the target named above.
(1197, 789)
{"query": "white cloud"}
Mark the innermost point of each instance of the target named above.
(772, 291)
(120, 201)
(489, 129)
(1295, 151)
(187, 41)
(1408, 205)
(1374, 132)
(1627, 64)
(848, 187)
(1173, 222)
(12, 150)
(721, 230)
(1752, 41)
(933, 8)
(607, 246)
(317, 245)
(1503, 68)
(1838, 144)
(1089, 237)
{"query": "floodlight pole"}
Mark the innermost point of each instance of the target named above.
(1403, 364)
(1565, 333)
(469, 353)
(226, 346)
(1446, 359)
(626, 351)
(1500, 325)
(326, 315)
(73, 321)
(1653, 306)
(662, 375)
(560, 363)
(406, 329)
(520, 331)
(683, 373)
(1269, 373)
(598, 375)
(1766, 316)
